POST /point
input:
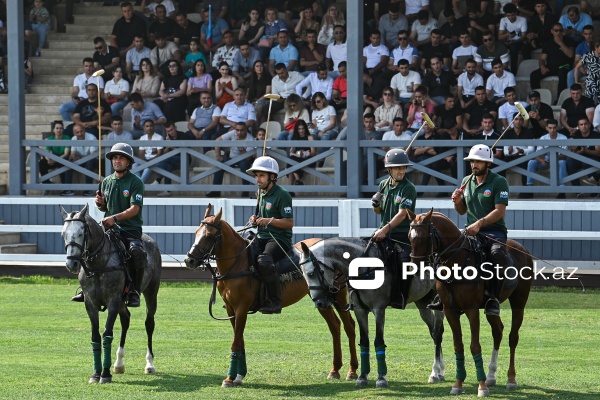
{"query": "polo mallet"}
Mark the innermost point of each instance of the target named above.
(271, 97)
(96, 75)
(522, 113)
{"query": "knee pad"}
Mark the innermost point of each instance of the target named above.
(265, 264)
(138, 254)
(499, 255)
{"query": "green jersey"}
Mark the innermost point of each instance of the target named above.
(122, 193)
(276, 203)
(481, 199)
(58, 150)
(401, 196)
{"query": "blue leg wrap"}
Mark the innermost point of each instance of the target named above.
(365, 363)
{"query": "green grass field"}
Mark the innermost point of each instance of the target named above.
(46, 353)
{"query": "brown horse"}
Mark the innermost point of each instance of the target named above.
(239, 288)
(437, 242)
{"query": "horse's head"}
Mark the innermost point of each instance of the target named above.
(319, 277)
(208, 235)
(421, 235)
(75, 233)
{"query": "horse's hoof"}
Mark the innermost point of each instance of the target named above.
(433, 379)
(483, 393)
(238, 381)
(381, 383)
(490, 382)
(442, 378)
(95, 378)
(119, 370)
(107, 379)
(334, 375)
(512, 385)
(227, 383)
(149, 370)
(362, 382)
(352, 376)
(457, 391)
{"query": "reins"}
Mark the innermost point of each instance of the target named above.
(85, 257)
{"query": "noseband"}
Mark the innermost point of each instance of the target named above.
(435, 242)
(85, 256)
(330, 290)
(206, 256)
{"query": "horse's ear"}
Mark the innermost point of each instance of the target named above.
(218, 216)
(63, 212)
(305, 249)
(411, 215)
(208, 211)
(83, 211)
(428, 216)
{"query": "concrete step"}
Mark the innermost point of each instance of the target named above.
(31, 129)
(51, 89)
(78, 37)
(35, 118)
(37, 99)
(21, 248)
(96, 19)
(95, 9)
(59, 61)
(9, 238)
(60, 44)
(64, 54)
(98, 29)
(47, 78)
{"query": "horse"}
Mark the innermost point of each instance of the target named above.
(320, 264)
(239, 289)
(98, 259)
(436, 239)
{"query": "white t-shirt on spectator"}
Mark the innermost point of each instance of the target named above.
(469, 85)
(322, 117)
(423, 31)
(81, 81)
(373, 54)
(116, 88)
(405, 84)
(498, 84)
(414, 6)
(337, 53)
(519, 27)
(150, 152)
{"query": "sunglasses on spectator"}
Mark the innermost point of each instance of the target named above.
(488, 39)
(338, 32)
(98, 48)
(402, 38)
(387, 94)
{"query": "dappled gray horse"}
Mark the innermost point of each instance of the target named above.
(95, 256)
(320, 264)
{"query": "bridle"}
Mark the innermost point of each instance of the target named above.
(85, 257)
(433, 257)
(331, 289)
(206, 255)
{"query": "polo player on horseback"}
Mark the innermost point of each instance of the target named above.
(275, 220)
(394, 197)
(121, 198)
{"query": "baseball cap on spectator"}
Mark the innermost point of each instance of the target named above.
(534, 93)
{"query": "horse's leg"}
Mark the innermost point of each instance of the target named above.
(435, 322)
(125, 317)
(333, 323)
(350, 329)
(497, 330)
(474, 323)
(518, 312)
(151, 298)
(107, 339)
(237, 350)
(380, 348)
(362, 316)
(453, 318)
(96, 345)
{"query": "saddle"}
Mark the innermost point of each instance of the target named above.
(285, 266)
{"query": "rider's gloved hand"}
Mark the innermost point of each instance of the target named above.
(376, 199)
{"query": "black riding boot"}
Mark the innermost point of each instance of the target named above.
(503, 260)
(436, 304)
(492, 305)
(273, 305)
(79, 297)
(138, 256)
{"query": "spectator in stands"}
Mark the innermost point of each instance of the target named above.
(479, 24)
(423, 152)
(509, 108)
(543, 161)
(369, 133)
(300, 153)
(539, 114)
(590, 7)
(259, 86)
(573, 23)
(332, 17)
(86, 112)
(474, 113)
(147, 151)
(540, 27)
(488, 135)
(452, 29)
(40, 22)
(225, 85)
(163, 54)
(252, 28)
(387, 111)
(448, 115)
(136, 55)
(582, 48)
(151, 9)
(173, 90)
(591, 63)
(515, 150)
(312, 54)
(126, 29)
(46, 163)
(404, 51)
(414, 7)
(372, 89)
(141, 111)
(162, 25)
(398, 132)
(488, 52)
(556, 59)
(244, 61)
(226, 53)
(449, 162)
(79, 90)
(405, 82)
(435, 49)
(305, 24)
(462, 53)
(337, 50)
(391, 24)
(420, 103)
(117, 133)
(204, 121)
(596, 120)
(78, 152)
(468, 81)
(317, 81)
(219, 7)
(174, 162)
(273, 26)
(375, 56)
(105, 57)
(116, 92)
(420, 32)
(284, 84)
(198, 83)
(573, 109)
(219, 27)
(27, 69)
(584, 131)
(339, 96)
(185, 31)
(238, 133)
(294, 112)
(512, 31)
(238, 110)
(147, 82)
(324, 118)
(284, 53)
(498, 81)
(438, 81)
(194, 55)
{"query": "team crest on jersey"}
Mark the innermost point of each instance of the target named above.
(268, 206)
(126, 193)
(138, 197)
(398, 199)
(487, 193)
(408, 202)
(287, 210)
(504, 194)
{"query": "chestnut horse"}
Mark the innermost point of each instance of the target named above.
(239, 288)
(437, 241)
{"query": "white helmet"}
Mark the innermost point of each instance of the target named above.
(480, 152)
(265, 164)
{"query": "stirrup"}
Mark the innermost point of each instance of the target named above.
(436, 305)
(133, 299)
(270, 308)
(79, 297)
(398, 303)
(492, 307)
